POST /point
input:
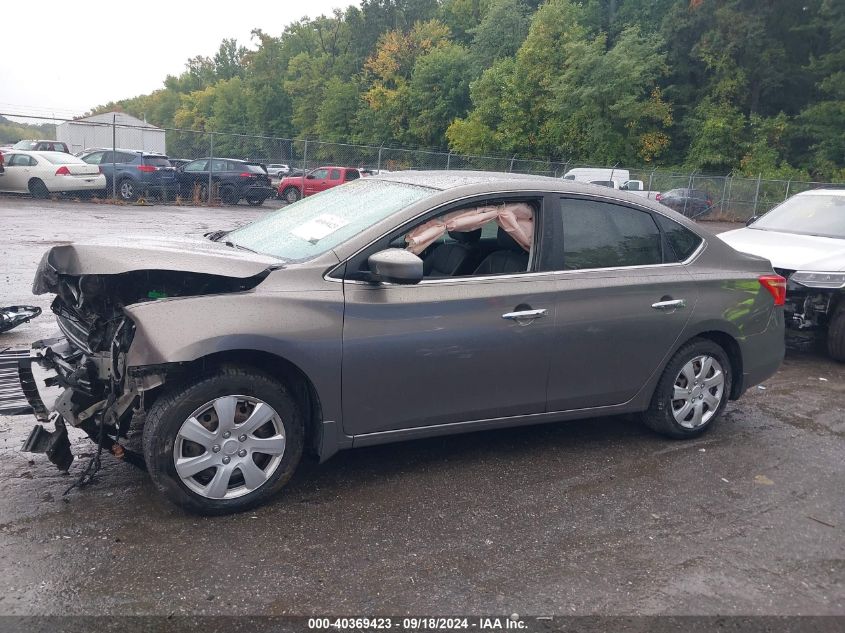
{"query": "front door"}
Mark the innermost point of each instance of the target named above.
(315, 181)
(445, 351)
(465, 344)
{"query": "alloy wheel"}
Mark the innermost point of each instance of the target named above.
(698, 391)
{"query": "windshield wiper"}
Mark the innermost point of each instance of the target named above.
(243, 248)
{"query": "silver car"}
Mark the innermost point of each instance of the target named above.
(402, 306)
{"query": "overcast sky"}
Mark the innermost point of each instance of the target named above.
(63, 58)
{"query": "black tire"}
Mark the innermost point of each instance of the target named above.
(255, 202)
(659, 416)
(173, 408)
(291, 194)
(228, 195)
(836, 334)
(127, 190)
(37, 189)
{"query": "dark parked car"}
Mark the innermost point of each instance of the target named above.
(135, 172)
(235, 179)
(41, 146)
(688, 202)
(396, 307)
(178, 163)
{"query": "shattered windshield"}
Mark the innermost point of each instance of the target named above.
(821, 215)
(318, 223)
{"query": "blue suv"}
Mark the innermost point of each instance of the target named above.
(135, 172)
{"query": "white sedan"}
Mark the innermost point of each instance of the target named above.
(804, 238)
(43, 173)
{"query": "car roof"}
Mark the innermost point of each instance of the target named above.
(823, 192)
(491, 182)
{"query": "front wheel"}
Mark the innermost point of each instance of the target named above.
(692, 392)
(225, 442)
(836, 334)
(291, 194)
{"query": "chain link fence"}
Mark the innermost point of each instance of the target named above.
(731, 197)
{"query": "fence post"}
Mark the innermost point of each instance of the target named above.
(448, 159)
(730, 187)
(650, 179)
(210, 165)
(304, 166)
(686, 198)
(788, 182)
(378, 168)
(724, 190)
(113, 156)
(510, 169)
(756, 194)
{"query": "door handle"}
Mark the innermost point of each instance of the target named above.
(672, 304)
(524, 315)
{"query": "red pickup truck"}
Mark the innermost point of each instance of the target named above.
(292, 188)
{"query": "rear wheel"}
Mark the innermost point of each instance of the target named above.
(692, 392)
(228, 195)
(127, 190)
(255, 202)
(37, 189)
(836, 334)
(291, 194)
(225, 442)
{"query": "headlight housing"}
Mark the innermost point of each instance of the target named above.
(811, 279)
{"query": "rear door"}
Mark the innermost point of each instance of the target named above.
(335, 178)
(622, 303)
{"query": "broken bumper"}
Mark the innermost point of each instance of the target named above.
(88, 397)
(55, 444)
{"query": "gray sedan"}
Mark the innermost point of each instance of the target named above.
(402, 306)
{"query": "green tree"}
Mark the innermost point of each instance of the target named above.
(438, 93)
(501, 32)
(337, 111)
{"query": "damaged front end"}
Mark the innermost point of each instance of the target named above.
(97, 392)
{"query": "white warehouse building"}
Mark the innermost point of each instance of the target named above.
(96, 131)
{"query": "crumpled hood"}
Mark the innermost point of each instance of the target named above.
(789, 250)
(135, 253)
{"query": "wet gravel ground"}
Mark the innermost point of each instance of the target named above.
(593, 517)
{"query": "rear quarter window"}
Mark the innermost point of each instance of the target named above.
(680, 241)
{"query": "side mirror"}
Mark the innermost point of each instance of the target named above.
(752, 220)
(309, 177)
(395, 265)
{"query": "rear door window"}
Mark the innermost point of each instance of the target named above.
(604, 235)
(335, 174)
